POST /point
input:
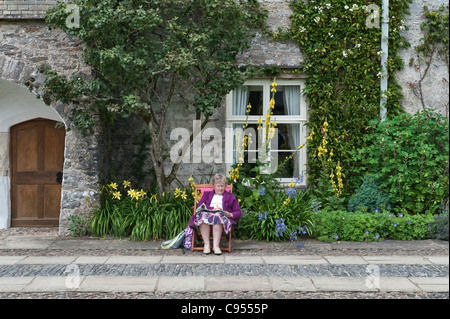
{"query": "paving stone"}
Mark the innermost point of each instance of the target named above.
(444, 260)
(48, 283)
(396, 260)
(294, 260)
(91, 259)
(237, 283)
(181, 284)
(133, 260)
(10, 260)
(14, 284)
(353, 260)
(342, 284)
(31, 260)
(397, 284)
(434, 284)
(292, 284)
(123, 283)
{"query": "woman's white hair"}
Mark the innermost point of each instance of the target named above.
(219, 178)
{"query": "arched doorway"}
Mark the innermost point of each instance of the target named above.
(37, 161)
(18, 106)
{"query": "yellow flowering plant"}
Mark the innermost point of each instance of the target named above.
(129, 212)
(329, 187)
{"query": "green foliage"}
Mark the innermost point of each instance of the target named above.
(287, 214)
(332, 226)
(78, 225)
(409, 155)
(439, 227)
(143, 53)
(343, 68)
(142, 217)
(369, 197)
(324, 194)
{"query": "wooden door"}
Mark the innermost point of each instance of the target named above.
(37, 159)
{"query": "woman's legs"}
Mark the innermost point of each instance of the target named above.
(217, 232)
(204, 229)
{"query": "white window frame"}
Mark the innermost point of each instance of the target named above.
(280, 119)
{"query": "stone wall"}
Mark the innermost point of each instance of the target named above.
(24, 45)
(25, 9)
(436, 89)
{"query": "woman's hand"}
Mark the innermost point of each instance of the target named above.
(228, 214)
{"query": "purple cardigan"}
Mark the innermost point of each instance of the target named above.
(229, 204)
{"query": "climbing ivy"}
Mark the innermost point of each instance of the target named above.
(341, 42)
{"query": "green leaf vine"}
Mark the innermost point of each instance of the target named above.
(342, 53)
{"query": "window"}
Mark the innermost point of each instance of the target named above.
(290, 115)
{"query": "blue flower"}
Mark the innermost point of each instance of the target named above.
(367, 232)
(261, 190)
(395, 225)
(336, 236)
(291, 192)
(261, 217)
(293, 236)
(401, 215)
(376, 236)
(301, 245)
(280, 227)
(390, 215)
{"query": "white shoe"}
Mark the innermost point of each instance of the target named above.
(217, 251)
(206, 250)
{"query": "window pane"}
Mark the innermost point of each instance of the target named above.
(239, 150)
(287, 100)
(242, 97)
(288, 137)
(287, 167)
(256, 100)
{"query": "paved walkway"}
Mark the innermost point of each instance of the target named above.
(54, 264)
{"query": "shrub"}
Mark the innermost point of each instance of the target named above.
(358, 226)
(439, 227)
(409, 154)
(369, 197)
(78, 225)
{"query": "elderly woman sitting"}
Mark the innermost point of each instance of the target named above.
(228, 211)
